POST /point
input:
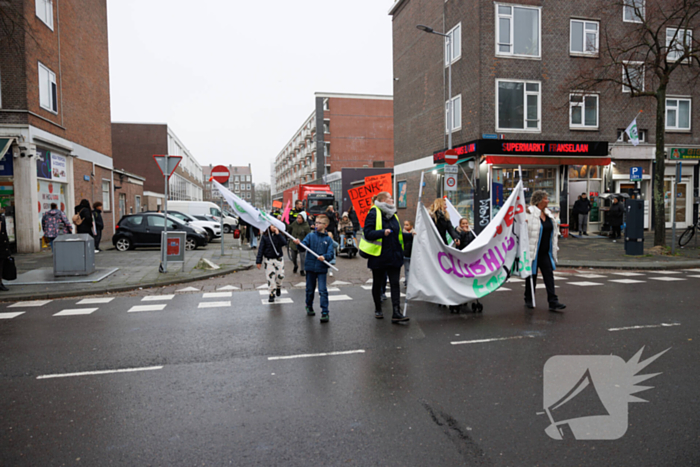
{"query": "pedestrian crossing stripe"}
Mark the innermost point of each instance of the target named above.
(338, 298)
(585, 284)
(664, 272)
(214, 304)
(76, 311)
(94, 301)
(265, 292)
(188, 289)
(590, 276)
(627, 281)
(667, 279)
(697, 277)
(138, 308)
(264, 286)
(341, 283)
(631, 274)
(228, 287)
(11, 315)
(33, 303)
(277, 300)
(217, 295)
(300, 284)
(153, 298)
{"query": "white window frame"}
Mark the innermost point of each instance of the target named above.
(582, 104)
(675, 126)
(456, 115)
(106, 205)
(629, 6)
(44, 11)
(47, 89)
(626, 63)
(326, 104)
(525, 94)
(622, 135)
(137, 201)
(585, 32)
(327, 148)
(511, 16)
(326, 126)
(674, 55)
(456, 51)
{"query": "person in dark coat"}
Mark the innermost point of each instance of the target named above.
(438, 212)
(83, 218)
(99, 224)
(352, 215)
(4, 248)
(271, 251)
(583, 206)
(466, 236)
(385, 249)
(615, 216)
(333, 221)
(573, 224)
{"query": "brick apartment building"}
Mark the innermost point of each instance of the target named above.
(343, 131)
(55, 132)
(133, 147)
(240, 182)
(510, 65)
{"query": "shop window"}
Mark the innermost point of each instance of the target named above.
(584, 171)
(584, 37)
(534, 178)
(456, 114)
(518, 31)
(47, 89)
(44, 10)
(518, 105)
(106, 185)
(455, 36)
(633, 11)
(678, 114)
(583, 111)
(632, 76)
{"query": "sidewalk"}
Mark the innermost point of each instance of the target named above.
(137, 268)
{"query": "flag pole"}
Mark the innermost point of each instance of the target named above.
(532, 284)
(309, 250)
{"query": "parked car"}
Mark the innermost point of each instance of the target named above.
(195, 208)
(212, 226)
(145, 229)
(230, 223)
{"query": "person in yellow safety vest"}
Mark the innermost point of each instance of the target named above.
(382, 245)
(298, 209)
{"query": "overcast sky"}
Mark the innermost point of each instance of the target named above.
(235, 79)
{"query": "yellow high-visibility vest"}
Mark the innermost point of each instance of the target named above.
(374, 247)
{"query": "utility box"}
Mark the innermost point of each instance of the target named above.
(73, 255)
(634, 233)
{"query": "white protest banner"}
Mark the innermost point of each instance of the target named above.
(258, 219)
(455, 216)
(446, 275)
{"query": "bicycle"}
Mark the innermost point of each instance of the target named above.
(687, 235)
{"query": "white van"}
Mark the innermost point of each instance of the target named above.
(203, 208)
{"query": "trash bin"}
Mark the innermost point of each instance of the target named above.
(73, 255)
(564, 229)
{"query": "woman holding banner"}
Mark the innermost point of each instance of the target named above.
(543, 234)
(439, 214)
(383, 246)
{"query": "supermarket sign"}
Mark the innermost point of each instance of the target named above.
(681, 154)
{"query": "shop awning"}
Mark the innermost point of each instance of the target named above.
(4, 145)
(520, 160)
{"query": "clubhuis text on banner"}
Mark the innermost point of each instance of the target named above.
(449, 276)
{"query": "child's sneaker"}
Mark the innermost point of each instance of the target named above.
(278, 291)
(310, 311)
(272, 298)
(324, 317)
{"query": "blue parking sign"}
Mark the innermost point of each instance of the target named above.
(635, 174)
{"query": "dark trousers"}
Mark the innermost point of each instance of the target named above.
(379, 281)
(311, 278)
(2, 265)
(544, 264)
(616, 231)
(98, 237)
(299, 252)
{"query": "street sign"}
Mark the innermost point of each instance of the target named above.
(678, 154)
(451, 178)
(221, 174)
(172, 161)
(635, 174)
(451, 156)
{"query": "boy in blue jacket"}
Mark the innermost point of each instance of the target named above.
(320, 243)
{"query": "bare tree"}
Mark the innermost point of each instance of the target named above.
(13, 27)
(655, 43)
(262, 195)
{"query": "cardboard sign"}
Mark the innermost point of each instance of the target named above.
(383, 181)
(277, 204)
(361, 198)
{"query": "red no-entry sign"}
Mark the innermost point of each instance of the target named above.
(451, 156)
(220, 173)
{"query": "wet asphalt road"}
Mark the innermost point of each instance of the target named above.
(406, 395)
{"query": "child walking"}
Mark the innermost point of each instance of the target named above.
(320, 243)
(271, 252)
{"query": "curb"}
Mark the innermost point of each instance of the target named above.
(122, 288)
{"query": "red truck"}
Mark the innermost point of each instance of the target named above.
(316, 198)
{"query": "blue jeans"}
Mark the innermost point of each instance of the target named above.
(311, 278)
(253, 241)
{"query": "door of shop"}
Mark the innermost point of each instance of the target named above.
(683, 208)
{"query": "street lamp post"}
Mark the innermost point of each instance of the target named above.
(430, 30)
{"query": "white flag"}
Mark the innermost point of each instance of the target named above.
(449, 276)
(632, 132)
(455, 216)
(258, 219)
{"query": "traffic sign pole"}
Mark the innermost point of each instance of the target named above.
(164, 264)
(222, 175)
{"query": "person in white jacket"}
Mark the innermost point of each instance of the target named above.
(543, 233)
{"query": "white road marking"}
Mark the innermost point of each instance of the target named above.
(585, 284)
(228, 287)
(628, 274)
(665, 272)
(369, 281)
(264, 286)
(265, 292)
(329, 289)
(11, 315)
(188, 289)
(323, 354)
(662, 325)
(590, 276)
(338, 298)
(153, 298)
(366, 287)
(147, 308)
(503, 289)
(94, 301)
(341, 283)
(542, 286)
(217, 294)
(692, 270)
(481, 341)
(33, 303)
(667, 279)
(626, 281)
(697, 277)
(515, 279)
(277, 300)
(76, 311)
(300, 284)
(214, 304)
(103, 372)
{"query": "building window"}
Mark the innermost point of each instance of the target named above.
(456, 115)
(235, 186)
(378, 164)
(584, 37)
(677, 40)
(518, 31)
(623, 138)
(44, 10)
(326, 126)
(455, 36)
(632, 76)
(633, 11)
(236, 178)
(678, 114)
(325, 104)
(247, 178)
(247, 187)
(106, 195)
(518, 105)
(137, 202)
(327, 149)
(47, 89)
(583, 111)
